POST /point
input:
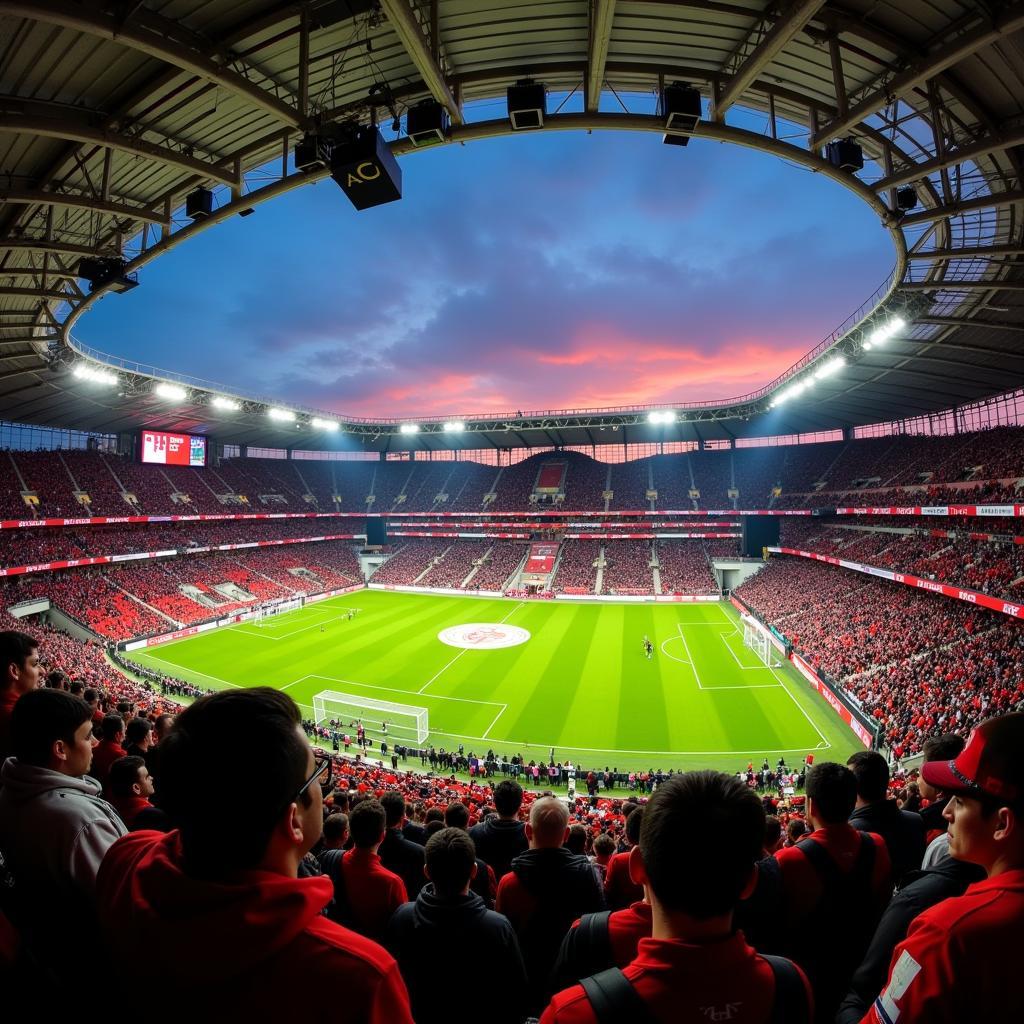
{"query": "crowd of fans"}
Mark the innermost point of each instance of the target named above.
(628, 567)
(576, 571)
(684, 568)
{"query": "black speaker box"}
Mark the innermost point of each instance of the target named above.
(527, 105)
(759, 532)
(362, 164)
(199, 204)
(376, 532)
(426, 124)
(845, 154)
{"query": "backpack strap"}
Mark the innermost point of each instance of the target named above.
(856, 880)
(790, 1005)
(340, 910)
(614, 1000)
(594, 936)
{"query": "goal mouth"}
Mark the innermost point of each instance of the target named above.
(404, 722)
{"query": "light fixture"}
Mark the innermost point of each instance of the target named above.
(661, 416)
(409, 428)
(832, 366)
(882, 334)
(284, 415)
(172, 392)
(223, 402)
(454, 426)
(318, 424)
(95, 374)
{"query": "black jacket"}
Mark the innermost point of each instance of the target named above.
(922, 890)
(430, 937)
(903, 832)
(498, 842)
(405, 859)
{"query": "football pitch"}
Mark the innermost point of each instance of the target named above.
(575, 677)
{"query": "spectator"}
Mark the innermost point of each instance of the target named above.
(619, 888)
(138, 738)
(445, 916)
(484, 884)
(903, 831)
(398, 854)
(366, 894)
(547, 889)
(959, 959)
(21, 673)
(773, 841)
(835, 884)
(109, 748)
(335, 831)
(224, 888)
(131, 786)
(695, 962)
(937, 748)
(499, 840)
(54, 826)
(604, 850)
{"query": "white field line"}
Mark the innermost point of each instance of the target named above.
(696, 674)
(494, 723)
(735, 657)
(183, 669)
(390, 689)
(445, 668)
(824, 744)
(284, 636)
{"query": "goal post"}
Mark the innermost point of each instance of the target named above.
(759, 640)
(265, 611)
(406, 723)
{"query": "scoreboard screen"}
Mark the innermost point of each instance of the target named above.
(167, 449)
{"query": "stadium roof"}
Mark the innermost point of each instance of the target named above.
(110, 115)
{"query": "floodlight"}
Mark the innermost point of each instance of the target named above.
(409, 428)
(661, 417)
(223, 402)
(95, 374)
(832, 366)
(318, 424)
(454, 426)
(172, 392)
(284, 415)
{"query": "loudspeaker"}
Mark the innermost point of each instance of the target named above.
(845, 154)
(376, 532)
(363, 166)
(311, 153)
(426, 124)
(199, 204)
(527, 105)
(906, 198)
(759, 532)
(332, 12)
(680, 103)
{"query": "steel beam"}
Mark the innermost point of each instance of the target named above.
(988, 285)
(966, 253)
(410, 33)
(601, 17)
(957, 321)
(991, 201)
(40, 197)
(36, 293)
(950, 159)
(987, 32)
(790, 25)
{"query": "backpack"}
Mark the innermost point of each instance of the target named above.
(614, 999)
(339, 910)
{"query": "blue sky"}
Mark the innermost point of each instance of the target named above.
(545, 270)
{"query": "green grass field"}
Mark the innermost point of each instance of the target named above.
(580, 683)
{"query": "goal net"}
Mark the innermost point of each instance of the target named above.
(757, 638)
(266, 611)
(405, 723)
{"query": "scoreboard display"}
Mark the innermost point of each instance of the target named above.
(166, 449)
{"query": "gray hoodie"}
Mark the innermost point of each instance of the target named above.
(54, 828)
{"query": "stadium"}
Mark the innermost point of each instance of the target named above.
(464, 398)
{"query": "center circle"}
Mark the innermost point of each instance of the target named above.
(483, 636)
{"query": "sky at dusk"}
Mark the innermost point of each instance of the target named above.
(548, 270)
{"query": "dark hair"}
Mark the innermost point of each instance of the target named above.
(508, 798)
(335, 826)
(456, 815)
(701, 879)
(871, 771)
(450, 856)
(772, 831)
(633, 824)
(604, 844)
(137, 730)
(833, 788)
(40, 718)
(124, 773)
(161, 721)
(433, 826)
(434, 814)
(57, 680)
(367, 822)
(91, 694)
(15, 649)
(796, 828)
(576, 840)
(76, 688)
(196, 754)
(394, 807)
(943, 748)
(111, 726)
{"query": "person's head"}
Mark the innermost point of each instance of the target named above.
(831, 793)
(75, 688)
(433, 826)
(456, 815)
(871, 771)
(51, 729)
(92, 698)
(394, 807)
(985, 784)
(129, 777)
(367, 823)
(548, 824)
(283, 816)
(434, 814)
(772, 834)
(939, 748)
(162, 725)
(450, 861)
(698, 879)
(57, 680)
(112, 728)
(604, 848)
(19, 662)
(633, 825)
(508, 798)
(576, 840)
(138, 733)
(335, 831)
(795, 831)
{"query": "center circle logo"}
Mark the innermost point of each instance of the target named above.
(483, 636)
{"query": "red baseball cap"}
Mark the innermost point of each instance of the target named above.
(991, 765)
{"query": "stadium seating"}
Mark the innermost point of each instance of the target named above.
(456, 564)
(576, 573)
(685, 568)
(628, 567)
